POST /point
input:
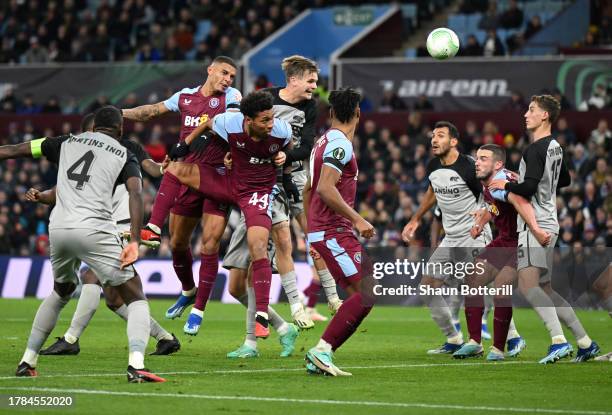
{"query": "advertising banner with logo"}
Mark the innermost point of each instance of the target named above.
(474, 84)
(32, 277)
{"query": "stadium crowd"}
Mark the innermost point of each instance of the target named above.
(164, 30)
(392, 180)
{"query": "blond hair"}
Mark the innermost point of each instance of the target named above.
(299, 66)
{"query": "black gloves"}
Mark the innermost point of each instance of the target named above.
(291, 188)
(179, 150)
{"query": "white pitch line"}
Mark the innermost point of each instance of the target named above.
(312, 401)
(270, 370)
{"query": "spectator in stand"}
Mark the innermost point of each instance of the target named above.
(492, 46)
(601, 136)
(473, 6)
(423, 104)
(563, 129)
(597, 101)
(37, 53)
(472, 47)
(101, 101)
(147, 53)
(512, 18)
(52, 106)
(240, 48)
(516, 103)
(391, 101)
(565, 104)
(172, 52)
(155, 147)
(262, 82)
(533, 26)
(489, 20)
(491, 134)
(28, 106)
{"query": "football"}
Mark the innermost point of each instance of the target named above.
(442, 43)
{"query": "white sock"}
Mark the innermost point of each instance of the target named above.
(30, 357)
(474, 342)
(251, 340)
(262, 314)
(456, 339)
(138, 331)
(189, 293)
(197, 312)
(584, 342)
(329, 285)
(289, 283)
(122, 311)
(283, 329)
(87, 305)
(512, 331)
(70, 338)
(559, 339)
(136, 360)
(324, 346)
(295, 307)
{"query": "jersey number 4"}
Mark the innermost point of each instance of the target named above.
(82, 176)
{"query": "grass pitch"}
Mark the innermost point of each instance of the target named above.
(391, 372)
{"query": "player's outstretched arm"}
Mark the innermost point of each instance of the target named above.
(429, 200)
(524, 208)
(330, 195)
(152, 168)
(134, 188)
(145, 112)
(199, 130)
(16, 151)
(46, 197)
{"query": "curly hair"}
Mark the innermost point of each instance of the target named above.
(256, 102)
(344, 102)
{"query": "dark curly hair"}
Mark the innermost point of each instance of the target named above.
(344, 102)
(256, 102)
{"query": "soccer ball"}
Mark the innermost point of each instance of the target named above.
(442, 43)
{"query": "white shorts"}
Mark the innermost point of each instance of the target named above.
(531, 254)
(455, 251)
(99, 250)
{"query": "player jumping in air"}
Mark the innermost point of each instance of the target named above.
(186, 206)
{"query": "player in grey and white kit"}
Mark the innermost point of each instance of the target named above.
(89, 298)
(453, 184)
(90, 166)
(542, 171)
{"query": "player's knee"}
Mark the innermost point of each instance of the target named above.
(259, 249)
(178, 244)
(210, 245)
(64, 289)
(112, 306)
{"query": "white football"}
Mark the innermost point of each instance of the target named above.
(442, 43)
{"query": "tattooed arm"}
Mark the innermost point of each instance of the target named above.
(145, 112)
